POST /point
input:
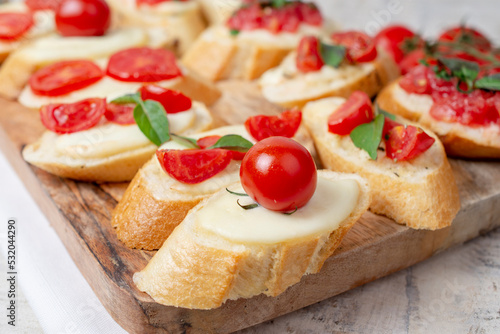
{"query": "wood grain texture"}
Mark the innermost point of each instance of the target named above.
(81, 213)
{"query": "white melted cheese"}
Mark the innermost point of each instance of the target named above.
(164, 184)
(286, 82)
(110, 139)
(107, 87)
(331, 204)
(55, 47)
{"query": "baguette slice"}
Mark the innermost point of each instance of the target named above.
(217, 55)
(21, 64)
(285, 85)
(181, 22)
(105, 153)
(421, 194)
(218, 11)
(459, 140)
(208, 259)
(43, 25)
(154, 203)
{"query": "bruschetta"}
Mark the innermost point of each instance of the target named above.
(406, 166)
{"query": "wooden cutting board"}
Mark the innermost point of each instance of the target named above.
(375, 247)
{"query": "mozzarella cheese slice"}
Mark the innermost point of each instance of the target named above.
(331, 204)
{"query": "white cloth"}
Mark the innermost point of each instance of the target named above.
(60, 297)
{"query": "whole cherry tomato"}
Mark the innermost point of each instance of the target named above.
(83, 18)
(279, 174)
(357, 110)
(397, 41)
(467, 36)
(360, 47)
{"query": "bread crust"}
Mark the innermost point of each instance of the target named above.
(426, 199)
(195, 269)
(219, 56)
(384, 71)
(456, 139)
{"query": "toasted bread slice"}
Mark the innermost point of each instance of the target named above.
(217, 55)
(285, 85)
(212, 256)
(459, 140)
(20, 65)
(180, 21)
(105, 153)
(154, 203)
(218, 11)
(43, 25)
(190, 84)
(420, 193)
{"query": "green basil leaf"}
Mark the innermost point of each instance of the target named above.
(332, 55)
(368, 136)
(129, 98)
(185, 141)
(457, 64)
(234, 32)
(278, 3)
(385, 113)
(233, 143)
(491, 82)
(152, 119)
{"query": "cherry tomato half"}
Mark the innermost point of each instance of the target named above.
(285, 125)
(73, 117)
(83, 18)
(357, 110)
(397, 41)
(193, 166)
(172, 100)
(279, 174)
(143, 65)
(206, 142)
(120, 113)
(65, 77)
(308, 55)
(14, 25)
(360, 47)
(406, 143)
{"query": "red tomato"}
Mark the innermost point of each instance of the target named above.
(284, 125)
(83, 18)
(172, 100)
(406, 143)
(193, 166)
(357, 110)
(468, 36)
(360, 47)
(389, 124)
(417, 81)
(279, 174)
(65, 77)
(286, 18)
(413, 59)
(143, 65)
(73, 117)
(308, 55)
(208, 141)
(120, 113)
(14, 25)
(43, 4)
(393, 39)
